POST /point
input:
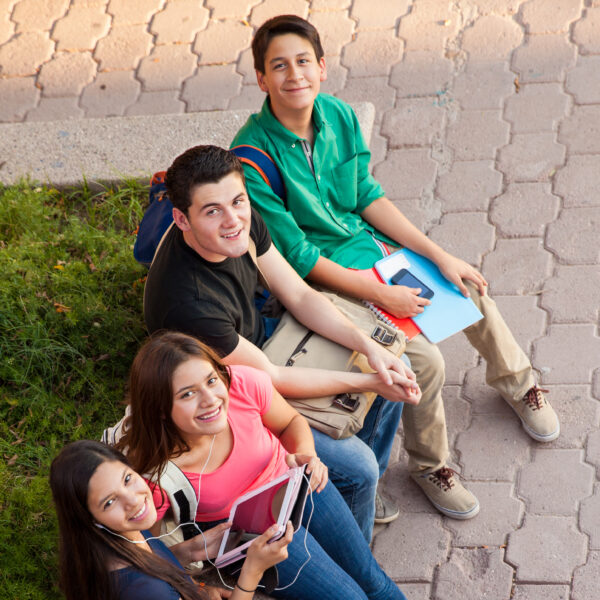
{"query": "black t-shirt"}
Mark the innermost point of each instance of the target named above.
(212, 301)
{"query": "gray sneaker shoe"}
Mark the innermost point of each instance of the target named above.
(537, 416)
(447, 493)
(385, 509)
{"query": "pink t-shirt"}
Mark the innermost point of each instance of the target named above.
(257, 455)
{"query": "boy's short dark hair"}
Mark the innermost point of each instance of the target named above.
(196, 166)
(279, 26)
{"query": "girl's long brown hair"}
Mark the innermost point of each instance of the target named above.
(151, 437)
(87, 551)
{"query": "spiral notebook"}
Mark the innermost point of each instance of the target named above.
(407, 325)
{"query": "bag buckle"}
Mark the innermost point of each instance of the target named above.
(383, 336)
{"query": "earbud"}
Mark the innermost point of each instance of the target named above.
(100, 526)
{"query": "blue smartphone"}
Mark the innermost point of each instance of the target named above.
(405, 277)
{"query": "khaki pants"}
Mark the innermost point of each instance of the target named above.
(508, 371)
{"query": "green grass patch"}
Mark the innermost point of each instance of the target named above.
(70, 324)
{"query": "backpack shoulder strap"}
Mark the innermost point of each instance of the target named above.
(181, 493)
(264, 164)
(252, 251)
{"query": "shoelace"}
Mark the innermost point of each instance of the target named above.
(443, 478)
(534, 397)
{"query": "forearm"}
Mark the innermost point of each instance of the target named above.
(390, 221)
(297, 438)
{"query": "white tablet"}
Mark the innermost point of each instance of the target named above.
(278, 501)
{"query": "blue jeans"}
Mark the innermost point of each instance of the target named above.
(341, 563)
(356, 463)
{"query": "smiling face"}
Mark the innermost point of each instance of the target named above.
(120, 499)
(217, 225)
(292, 76)
(200, 399)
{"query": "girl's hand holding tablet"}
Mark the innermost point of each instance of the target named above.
(315, 468)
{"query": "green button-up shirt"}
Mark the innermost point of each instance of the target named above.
(321, 213)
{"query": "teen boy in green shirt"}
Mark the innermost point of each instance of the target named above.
(336, 216)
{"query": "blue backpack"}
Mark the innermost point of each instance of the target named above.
(159, 215)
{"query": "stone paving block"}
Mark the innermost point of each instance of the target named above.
(406, 173)
(123, 47)
(585, 32)
(81, 28)
(428, 25)
(483, 85)
(593, 450)
(469, 185)
(541, 592)
(582, 81)
(372, 53)
(413, 122)
(245, 67)
(179, 21)
(67, 74)
(571, 481)
(271, 8)
(130, 12)
(7, 25)
(492, 38)
(167, 67)
(369, 89)
(574, 235)
(399, 485)
(421, 73)
(330, 4)
(467, 235)
(477, 134)
(500, 514)
(337, 75)
(23, 54)
(211, 88)
(157, 103)
(493, 447)
(458, 410)
(474, 573)
(500, 7)
(229, 9)
(378, 146)
(250, 96)
(110, 94)
(411, 546)
(383, 14)
(524, 209)
(415, 210)
(459, 357)
(544, 58)
(537, 107)
(32, 15)
(416, 591)
(568, 354)
(55, 109)
(585, 579)
(484, 399)
(524, 318)
(221, 41)
(517, 266)
(531, 157)
(565, 280)
(589, 517)
(18, 95)
(335, 29)
(546, 549)
(582, 130)
(537, 17)
(578, 413)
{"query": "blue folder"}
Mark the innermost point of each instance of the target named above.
(449, 311)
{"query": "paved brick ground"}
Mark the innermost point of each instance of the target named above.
(488, 118)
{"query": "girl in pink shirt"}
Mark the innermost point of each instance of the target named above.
(230, 432)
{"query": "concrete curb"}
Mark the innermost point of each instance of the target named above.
(63, 153)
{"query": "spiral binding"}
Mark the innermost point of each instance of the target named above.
(380, 314)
